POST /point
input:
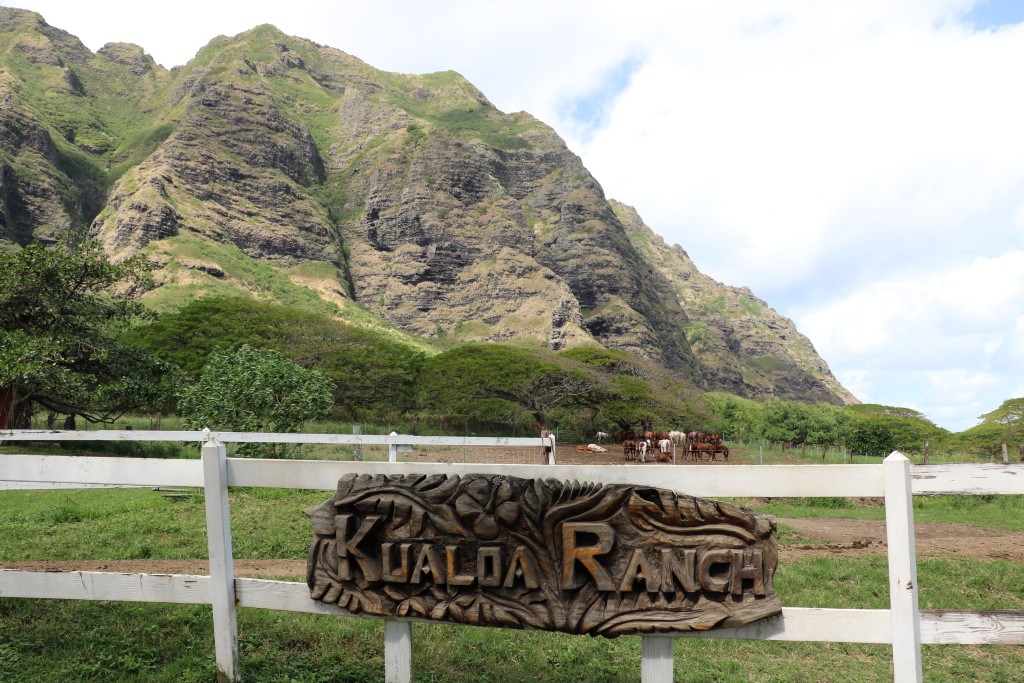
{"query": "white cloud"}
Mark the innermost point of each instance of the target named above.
(889, 136)
(947, 343)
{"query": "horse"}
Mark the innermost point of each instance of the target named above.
(642, 448)
(629, 449)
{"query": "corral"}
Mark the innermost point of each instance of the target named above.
(903, 625)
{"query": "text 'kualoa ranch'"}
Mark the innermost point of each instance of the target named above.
(715, 570)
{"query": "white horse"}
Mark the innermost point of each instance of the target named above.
(676, 437)
(601, 437)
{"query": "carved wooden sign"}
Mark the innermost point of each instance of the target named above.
(493, 550)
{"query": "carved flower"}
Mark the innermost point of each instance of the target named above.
(409, 599)
(451, 602)
(487, 505)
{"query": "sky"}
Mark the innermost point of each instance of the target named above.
(858, 165)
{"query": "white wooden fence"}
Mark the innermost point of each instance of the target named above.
(903, 625)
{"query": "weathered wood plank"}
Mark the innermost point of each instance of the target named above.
(807, 624)
(265, 437)
(903, 601)
(656, 663)
(46, 486)
(968, 479)
(173, 588)
(378, 439)
(795, 624)
(100, 435)
(397, 651)
(972, 628)
(695, 480)
(222, 576)
(67, 469)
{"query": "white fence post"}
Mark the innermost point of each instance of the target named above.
(899, 527)
(393, 449)
(222, 574)
(552, 458)
(656, 663)
(397, 651)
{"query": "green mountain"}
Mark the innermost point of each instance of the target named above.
(408, 203)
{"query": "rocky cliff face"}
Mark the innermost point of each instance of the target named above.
(741, 343)
(278, 166)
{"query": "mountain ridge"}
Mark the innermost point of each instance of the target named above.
(294, 171)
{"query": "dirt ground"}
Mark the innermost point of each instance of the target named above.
(813, 537)
(828, 536)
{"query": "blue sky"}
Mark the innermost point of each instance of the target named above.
(989, 14)
(589, 111)
(859, 165)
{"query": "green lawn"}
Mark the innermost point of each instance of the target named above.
(95, 641)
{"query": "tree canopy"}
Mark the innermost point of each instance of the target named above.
(254, 390)
(373, 375)
(501, 382)
(59, 336)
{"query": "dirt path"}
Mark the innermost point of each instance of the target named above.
(932, 539)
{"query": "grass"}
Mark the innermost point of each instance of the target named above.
(984, 512)
(89, 641)
(126, 524)
(93, 641)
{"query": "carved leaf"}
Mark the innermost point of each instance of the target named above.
(444, 520)
(413, 606)
(438, 488)
(345, 485)
(322, 517)
(416, 517)
(394, 593)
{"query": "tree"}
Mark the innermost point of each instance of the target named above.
(871, 436)
(635, 391)
(1009, 416)
(253, 390)
(499, 382)
(787, 421)
(373, 376)
(59, 337)
(733, 417)
(909, 428)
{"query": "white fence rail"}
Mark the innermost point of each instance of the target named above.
(904, 625)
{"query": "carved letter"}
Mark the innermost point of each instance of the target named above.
(711, 583)
(586, 554)
(684, 573)
(521, 565)
(747, 570)
(348, 547)
(639, 567)
(428, 563)
(454, 578)
(493, 576)
(389, 574)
